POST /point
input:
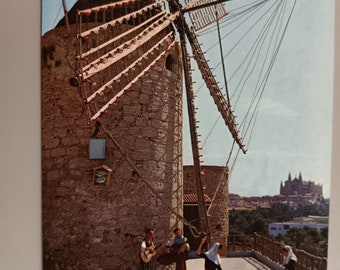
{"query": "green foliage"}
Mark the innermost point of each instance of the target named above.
(248, 221)
(280, 212)
(257, 221)
(308, 239)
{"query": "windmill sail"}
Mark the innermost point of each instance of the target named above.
(221, 103)
(204, 12)
(99, 57)
(104, 53)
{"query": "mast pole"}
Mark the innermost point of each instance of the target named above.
(202, 209)
(66, 17)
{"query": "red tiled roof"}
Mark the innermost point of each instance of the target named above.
(192, 198)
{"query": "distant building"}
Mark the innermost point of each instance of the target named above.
(215, 188)
(298, 186)
(281, 228)
(296, 193)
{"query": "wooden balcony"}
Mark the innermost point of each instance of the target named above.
(250, 252)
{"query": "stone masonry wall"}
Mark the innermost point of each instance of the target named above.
(98, 227)
(213, 178)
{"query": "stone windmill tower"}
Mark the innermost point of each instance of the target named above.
(112, 129)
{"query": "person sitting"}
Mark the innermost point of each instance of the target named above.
(179, 243)
(177, 248)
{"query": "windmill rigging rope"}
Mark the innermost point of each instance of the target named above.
(226, 19)
(259, 90)
(255, 117)
(210, 132)
(264, 82)
(258, 48)
(57, 16)
(263, 34)
(235, 17)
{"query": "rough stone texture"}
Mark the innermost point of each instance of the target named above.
(98, 227)
(215, 185)
(86, 226)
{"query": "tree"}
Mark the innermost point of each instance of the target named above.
(308, 239)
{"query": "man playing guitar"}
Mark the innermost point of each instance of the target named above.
(147, 252)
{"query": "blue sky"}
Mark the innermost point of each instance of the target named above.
(52, 12)
(293, 128)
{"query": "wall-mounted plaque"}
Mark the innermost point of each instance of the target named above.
(101, 176)
(97, 148)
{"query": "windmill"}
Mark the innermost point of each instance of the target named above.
(104, 71)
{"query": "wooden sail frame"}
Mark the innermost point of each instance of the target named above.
(204, 12)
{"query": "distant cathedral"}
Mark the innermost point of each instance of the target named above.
(297, 186)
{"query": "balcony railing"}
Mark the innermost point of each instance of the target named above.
(271, 250)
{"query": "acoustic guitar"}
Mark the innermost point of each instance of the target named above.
(146, 255)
